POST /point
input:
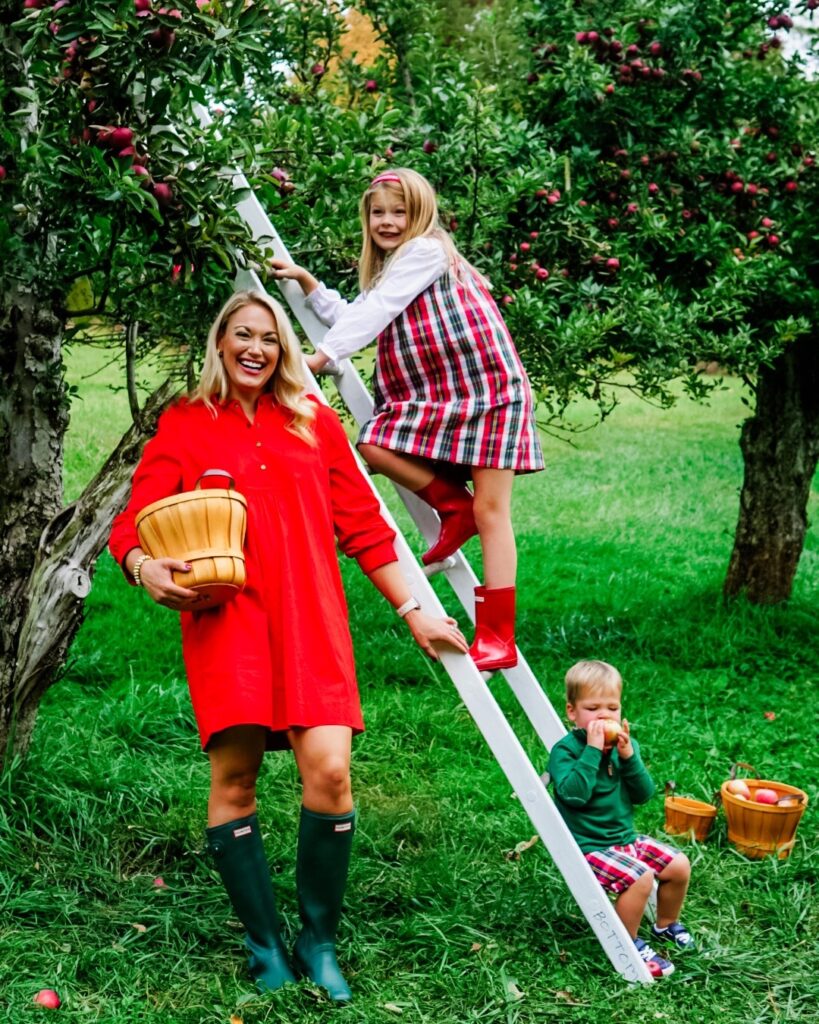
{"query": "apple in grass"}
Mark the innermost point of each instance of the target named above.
(48, 998)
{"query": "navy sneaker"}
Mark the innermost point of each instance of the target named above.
(675, 933)
(657, 966)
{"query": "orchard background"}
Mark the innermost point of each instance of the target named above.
(639, 183)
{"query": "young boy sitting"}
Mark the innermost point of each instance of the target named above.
(598, 776)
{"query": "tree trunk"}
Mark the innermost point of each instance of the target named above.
(33, 419)
(47, 555)
(780, 446)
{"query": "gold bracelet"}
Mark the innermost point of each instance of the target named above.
(137, 569)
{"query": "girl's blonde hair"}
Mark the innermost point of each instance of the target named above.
(422, 222)
(591, 677)
(287, 385)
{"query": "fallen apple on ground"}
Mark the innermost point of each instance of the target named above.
(48, 998)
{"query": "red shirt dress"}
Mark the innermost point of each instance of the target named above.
(279, 654)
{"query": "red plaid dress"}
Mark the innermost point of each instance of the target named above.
(449, 384)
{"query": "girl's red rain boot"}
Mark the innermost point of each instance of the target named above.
(494, 645)
(453, 503)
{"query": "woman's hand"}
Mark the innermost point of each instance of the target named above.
(427, 631)
(156, 576)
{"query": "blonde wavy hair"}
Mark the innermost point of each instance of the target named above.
(422, 222)
(287, 385)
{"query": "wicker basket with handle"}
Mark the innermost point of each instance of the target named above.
(762, 830)
(206, 529)
(685, 816)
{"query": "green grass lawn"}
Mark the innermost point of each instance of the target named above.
(623, 543)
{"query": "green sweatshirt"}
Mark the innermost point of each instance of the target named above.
(596, 792)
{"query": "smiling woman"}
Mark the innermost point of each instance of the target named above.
(249, 350)
(259, 673)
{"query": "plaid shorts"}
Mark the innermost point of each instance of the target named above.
(619, 867)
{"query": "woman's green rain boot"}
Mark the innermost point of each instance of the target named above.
(322, 860)
(240, 859)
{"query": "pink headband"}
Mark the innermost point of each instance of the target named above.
(387, 176)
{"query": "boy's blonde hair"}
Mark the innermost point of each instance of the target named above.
(287, 385)
(589, 677)
(422, 221)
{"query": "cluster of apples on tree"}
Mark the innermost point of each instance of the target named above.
(753, 190)
(634, 63)
(84, 68)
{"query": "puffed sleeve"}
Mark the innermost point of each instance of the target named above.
(360, 529)
(326, 303)
(414, 270)
(158, 475)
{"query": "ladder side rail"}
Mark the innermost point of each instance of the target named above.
(514, 762)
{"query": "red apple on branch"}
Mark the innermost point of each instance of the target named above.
(162, 192)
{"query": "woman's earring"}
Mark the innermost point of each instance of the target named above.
(221, 354)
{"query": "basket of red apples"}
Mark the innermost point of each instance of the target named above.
(762, 815)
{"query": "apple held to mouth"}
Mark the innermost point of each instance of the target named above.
(739, 787)
(611, 731)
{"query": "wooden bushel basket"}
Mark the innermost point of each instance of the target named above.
(760, 830)
(206, 529)
(685, 816)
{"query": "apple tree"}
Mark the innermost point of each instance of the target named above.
(640, 181)
(686, 224)
(117, 224)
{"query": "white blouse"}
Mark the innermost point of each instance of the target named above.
(353, 325)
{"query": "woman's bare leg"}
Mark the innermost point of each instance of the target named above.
(323, 756)
(235, 758)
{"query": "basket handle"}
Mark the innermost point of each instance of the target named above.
(669, 787)
(732, 775)
(215, 472)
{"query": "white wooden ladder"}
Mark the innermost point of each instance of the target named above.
(471, 686)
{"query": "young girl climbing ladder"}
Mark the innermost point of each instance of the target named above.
(452, 401)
